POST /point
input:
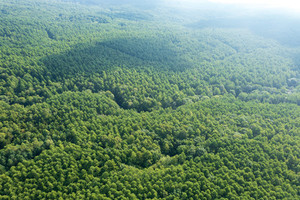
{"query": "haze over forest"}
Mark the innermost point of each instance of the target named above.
(128, 99)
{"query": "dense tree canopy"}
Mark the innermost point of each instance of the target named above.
(115, 102)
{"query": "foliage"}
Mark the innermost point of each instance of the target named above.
(100, 103)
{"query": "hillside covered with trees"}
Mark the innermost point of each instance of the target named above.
(106, 100)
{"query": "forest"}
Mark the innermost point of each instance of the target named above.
(128, 101)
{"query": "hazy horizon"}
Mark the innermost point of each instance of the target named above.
(291, 6)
